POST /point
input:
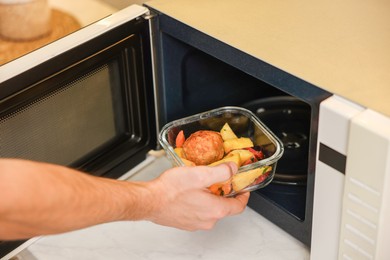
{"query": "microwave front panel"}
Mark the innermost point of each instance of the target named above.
(84, 101)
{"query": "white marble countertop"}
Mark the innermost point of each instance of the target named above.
(245, 236)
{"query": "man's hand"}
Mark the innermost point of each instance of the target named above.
(183, 201)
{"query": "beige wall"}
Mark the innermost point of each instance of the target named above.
(122, 3)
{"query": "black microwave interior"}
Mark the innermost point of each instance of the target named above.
(202, 82)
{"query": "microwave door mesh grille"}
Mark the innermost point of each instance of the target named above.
(63, 126)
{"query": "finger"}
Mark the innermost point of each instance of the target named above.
(233, 167)
(238, 203)
(243, 197)
(219, 173)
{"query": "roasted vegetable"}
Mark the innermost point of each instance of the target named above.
(245, 155)
(237, 143)
(231, 157)
(212, 148)
(180, 139)
(242, 180)
(227, 133)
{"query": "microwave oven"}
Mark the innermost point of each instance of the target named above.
(96, 99)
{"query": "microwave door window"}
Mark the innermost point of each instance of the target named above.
(89, 108)
(67, 124)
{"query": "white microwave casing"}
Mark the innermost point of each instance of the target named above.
(365, 230)
(70, 41)
(351, 204)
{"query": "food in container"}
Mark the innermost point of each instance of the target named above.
(220, 135)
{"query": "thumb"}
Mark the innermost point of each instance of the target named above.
(220, 173)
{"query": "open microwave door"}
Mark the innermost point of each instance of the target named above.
(85, 101)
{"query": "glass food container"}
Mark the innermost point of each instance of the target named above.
(253, 173)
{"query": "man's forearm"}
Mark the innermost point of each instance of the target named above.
(45, 199)
(39, 199)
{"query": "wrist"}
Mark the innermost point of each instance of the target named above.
(141, 200)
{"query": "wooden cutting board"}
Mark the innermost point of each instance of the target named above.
(61, 24)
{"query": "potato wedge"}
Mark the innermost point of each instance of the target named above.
(245, 155)
(227, 133)
(242, 180)
(229, 158)
(179, 152)
(237, 143)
